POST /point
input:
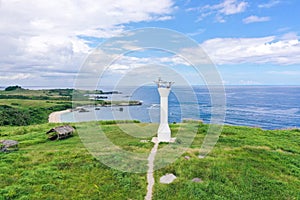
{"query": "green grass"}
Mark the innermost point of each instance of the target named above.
(43, 169)
(246, 163)
(26, 112)
(17, 103)
(61, 94)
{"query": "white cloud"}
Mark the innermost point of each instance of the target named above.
(220, 19)
(164, 18)
(283, 29)
(18, 76)
(253, 50)
(227, 7)
(253, 18)
(44, 36)
(269, 4)
(290, 36)
(126, 63)
(230, 7)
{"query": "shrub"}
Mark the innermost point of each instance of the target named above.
(12, 88)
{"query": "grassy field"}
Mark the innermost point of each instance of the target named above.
(51, 94)
(43, 169)
(246, 163)
(16, 103)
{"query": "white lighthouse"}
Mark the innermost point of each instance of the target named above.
(164, 132)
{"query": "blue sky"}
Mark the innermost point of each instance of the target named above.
(251, 43)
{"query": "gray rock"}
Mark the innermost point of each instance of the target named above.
(167, 179)
(7, 145)
(187, 157)
(197, 180)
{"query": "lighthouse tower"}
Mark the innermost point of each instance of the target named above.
(164, 132)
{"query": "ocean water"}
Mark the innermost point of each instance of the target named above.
(268, 107)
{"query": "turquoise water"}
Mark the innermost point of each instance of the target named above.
(268, 107)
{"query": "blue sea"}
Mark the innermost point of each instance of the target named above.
(267, 107)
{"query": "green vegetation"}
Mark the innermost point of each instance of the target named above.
(20, 107)
(12, 88)
(15, 112)
(247, 163)
(52, 94)
(44, 169)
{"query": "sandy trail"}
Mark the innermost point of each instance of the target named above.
(150, 177)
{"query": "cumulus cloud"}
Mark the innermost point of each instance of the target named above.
(230, 7)
(269, 4)
(53, 35)
(253, 50)
(227, 7)
(253, 19)
(15, 76)
(127, 63)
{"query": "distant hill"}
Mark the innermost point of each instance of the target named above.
(13, 88)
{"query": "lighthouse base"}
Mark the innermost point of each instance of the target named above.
(155, 140)
(164, 133)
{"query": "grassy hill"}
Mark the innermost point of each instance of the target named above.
(246, 163)
(18, 112)
(27, 107)
(20, 106)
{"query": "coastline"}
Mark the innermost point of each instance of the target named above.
(55, 116)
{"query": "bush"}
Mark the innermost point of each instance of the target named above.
(12, 88)
(11, 116)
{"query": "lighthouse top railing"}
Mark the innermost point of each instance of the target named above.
(163, 84)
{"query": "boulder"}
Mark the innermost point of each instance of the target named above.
(167, 179)
(6, 145)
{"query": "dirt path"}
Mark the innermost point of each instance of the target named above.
(150, 177)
